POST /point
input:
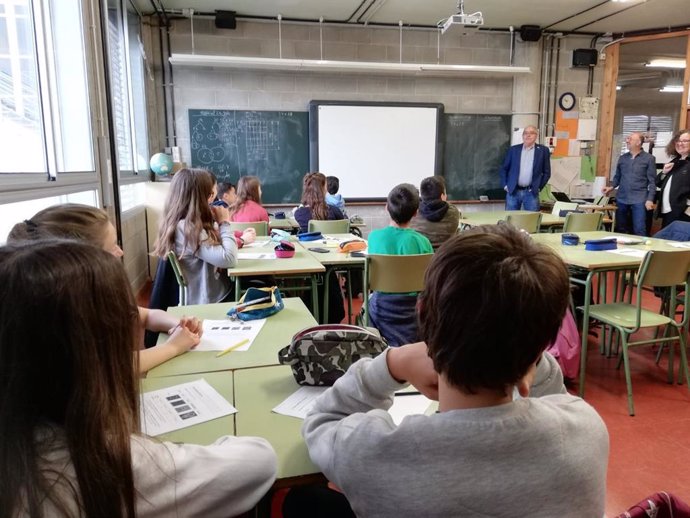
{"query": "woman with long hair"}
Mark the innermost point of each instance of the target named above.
(200, 236)
(69, 417)
(674, 181)
(247, 205)
(313, 203)
(92, 225)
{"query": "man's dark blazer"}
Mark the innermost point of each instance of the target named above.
(510, 170)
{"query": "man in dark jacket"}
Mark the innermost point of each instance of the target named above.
(436, 219)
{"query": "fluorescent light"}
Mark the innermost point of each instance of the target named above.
(672, 89)
(618, 87)
(666, 63)
(315, 65)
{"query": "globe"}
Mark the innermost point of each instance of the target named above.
(161, 164)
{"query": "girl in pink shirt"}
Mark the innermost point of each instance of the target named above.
(247, 206)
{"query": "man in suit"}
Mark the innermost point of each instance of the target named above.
(525, 171)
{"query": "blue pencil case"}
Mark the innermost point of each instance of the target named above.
(597, 245)
(309, 236)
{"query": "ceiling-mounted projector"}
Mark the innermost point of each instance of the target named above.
(461, 20)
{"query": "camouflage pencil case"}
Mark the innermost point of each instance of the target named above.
(319, 355)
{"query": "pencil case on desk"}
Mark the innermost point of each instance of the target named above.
(597, 245)
(246, 310)
(310, 236)
(354, 245)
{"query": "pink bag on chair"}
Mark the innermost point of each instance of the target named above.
(566, 348)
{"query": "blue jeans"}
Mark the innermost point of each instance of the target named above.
(639, 215)
(523, 199)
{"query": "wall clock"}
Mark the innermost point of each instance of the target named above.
(567, 101)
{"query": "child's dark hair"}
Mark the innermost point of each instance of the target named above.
(332, 184)
(432, 188)
(222, 188)
(493, 301)
(402, 203)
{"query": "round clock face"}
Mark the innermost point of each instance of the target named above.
(567, 101)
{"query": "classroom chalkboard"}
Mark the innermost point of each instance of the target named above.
(272, 145)
(474, 148)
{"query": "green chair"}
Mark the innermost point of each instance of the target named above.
(563, 205)
(658, 269)
(179, 277)
(329, 226)
(585, 222)
(394, 274)
(261, 227)
(527, 221)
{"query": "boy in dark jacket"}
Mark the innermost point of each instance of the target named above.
(437, 219)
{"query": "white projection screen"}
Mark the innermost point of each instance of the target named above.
(371, 147)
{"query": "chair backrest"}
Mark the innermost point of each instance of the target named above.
(585, 222)
(676, 231)
(396, 273)
(562, 205)
(664, 268)
(330, 226)
(527, 221)
(601, 200)
(261, 227)
(179, 277)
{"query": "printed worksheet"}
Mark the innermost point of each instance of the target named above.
(632, 252)
(180, 406)
(257, 244)
(256, 255)
(220, 334)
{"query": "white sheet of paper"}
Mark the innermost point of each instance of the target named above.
(180, 406)
(587, 129)
(679, 245)
(622, 240)
(408, 404)
(300, 402)
(634, 252)
(257, 255)
(573, 148)
(257, 244)
(221, 334)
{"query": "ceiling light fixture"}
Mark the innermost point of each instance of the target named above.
(369, 67)
(666, 63)
(672, 89)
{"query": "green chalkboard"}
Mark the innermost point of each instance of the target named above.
(271, 145)
(474, 148)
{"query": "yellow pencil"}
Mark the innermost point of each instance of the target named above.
(232, 347)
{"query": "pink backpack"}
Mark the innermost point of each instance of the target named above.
(566, 348)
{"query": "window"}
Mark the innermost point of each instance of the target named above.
(657, 127)
(12, 213)
(127, 75)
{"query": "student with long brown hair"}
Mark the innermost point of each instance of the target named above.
(200, 236)
(313, 203)
(247, 205)
(69, 416)
(92, 225)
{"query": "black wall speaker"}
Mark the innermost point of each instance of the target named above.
(530, 33)
(584, 58)
(226, 20)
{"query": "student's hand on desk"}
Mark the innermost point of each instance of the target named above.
(411, 363)
(182, 339)
(249, 235)
(192, 323)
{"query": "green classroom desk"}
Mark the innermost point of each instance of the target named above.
(301, 265)
(473, 219)
(203, 433)
(257, 391)
(276, 333)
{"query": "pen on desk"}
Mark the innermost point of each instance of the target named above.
(232, 347)
(240, 307)
(415, 393)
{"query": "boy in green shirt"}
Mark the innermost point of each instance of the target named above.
(394, 315)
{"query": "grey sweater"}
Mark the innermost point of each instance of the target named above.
(207, 282)
(538, 457)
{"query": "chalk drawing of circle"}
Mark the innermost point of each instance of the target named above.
(218, 154)
(205, 155)
(212, 136)
(195, 144)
